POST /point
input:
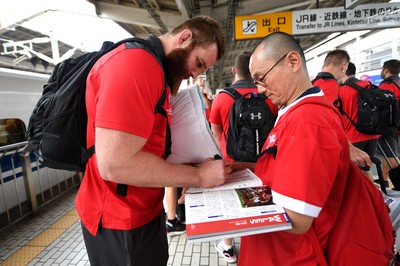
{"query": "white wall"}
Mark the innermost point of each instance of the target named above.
(367, 51)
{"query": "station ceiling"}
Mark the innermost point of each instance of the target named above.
(143, 17)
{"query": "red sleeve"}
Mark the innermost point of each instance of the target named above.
(215, 111)
(128, 92)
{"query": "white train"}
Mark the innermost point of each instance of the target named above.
(23, 191)
(19, 92)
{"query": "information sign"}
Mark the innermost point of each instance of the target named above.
(323, 20)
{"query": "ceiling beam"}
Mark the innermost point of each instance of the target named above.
(11, 23)
(182, 8)
(157, 4)
(135, 15)
(155, 15)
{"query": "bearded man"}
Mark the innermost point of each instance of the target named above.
(120, 200)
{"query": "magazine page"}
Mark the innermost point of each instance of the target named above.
(237, 179)
(191, 136)
(232, 212)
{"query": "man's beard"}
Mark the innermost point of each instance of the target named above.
(176, 67)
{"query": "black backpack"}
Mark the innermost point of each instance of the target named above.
(250, 121)
(57, 126)
(378, 110)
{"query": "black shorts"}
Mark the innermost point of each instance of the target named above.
(393, 141)
(146, 245)
(368, 146)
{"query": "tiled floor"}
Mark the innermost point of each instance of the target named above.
(54, 238)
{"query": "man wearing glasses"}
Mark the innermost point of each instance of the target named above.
(307, 165)
(219, 119)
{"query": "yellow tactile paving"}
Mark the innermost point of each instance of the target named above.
(46, 237)
(64, 222)
(27, 253)
(23, 256)
(72, 212)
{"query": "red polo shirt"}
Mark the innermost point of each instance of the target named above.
(328, 84)
(311, 163)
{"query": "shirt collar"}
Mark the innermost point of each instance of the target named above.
(243, 83)
(311, 92)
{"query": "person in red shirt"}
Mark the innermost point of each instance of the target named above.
(349, 105)
(219, 119)
(306, 163)
(390, 75)
(125, 224)
(219, 116)
(335, 65)
(333, 69)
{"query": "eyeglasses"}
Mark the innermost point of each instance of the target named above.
(260, 82)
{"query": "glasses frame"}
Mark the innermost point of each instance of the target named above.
(260, 82)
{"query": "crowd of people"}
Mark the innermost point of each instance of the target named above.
(316, 151)
(335, 80)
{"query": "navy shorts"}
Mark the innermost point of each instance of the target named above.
(368, 146)
(146, 245)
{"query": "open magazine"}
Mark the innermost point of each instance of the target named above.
(191, 136)
(240, 207)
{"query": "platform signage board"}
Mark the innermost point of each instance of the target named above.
(323, 20)
(258, 26)
(352, 3)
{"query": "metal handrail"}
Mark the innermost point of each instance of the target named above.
(32, 174)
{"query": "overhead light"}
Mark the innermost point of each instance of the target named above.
(41, 40)
(20, 59)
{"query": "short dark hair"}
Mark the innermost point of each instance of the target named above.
(336, 57)
(242, 65)
(351, 69)
(206, 31)
(281, 43)
(393, 66)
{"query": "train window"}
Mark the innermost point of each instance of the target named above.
(12, 130)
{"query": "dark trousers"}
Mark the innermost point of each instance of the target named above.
(146, 245)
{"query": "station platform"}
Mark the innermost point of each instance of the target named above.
(54, 237)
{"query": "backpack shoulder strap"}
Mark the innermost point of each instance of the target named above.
(232, 92)
(339, 104)
(317, 248)
(392, 80)
(354, 85)
(324, 76)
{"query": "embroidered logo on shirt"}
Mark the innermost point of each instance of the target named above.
(271, 140)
